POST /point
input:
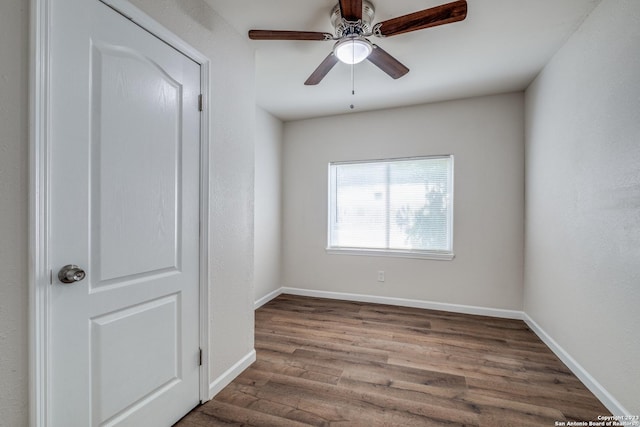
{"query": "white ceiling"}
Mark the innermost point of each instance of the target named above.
(499, 47)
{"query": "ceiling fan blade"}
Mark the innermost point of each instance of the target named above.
(322, 70)
(288, 35)
(387, 63)
(439, 15)
(351, 10)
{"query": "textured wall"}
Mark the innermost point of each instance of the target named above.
(268, 202)
(14, 72)
(582, 282)
(486, 136)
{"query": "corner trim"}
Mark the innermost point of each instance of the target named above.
(405, 302)
(230, 374)
(589, 381)
(265, 299)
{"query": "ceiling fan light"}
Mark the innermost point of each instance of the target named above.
(353, 50)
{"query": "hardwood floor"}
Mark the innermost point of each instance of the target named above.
(335, 363)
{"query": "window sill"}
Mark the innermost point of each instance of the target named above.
(440, 256)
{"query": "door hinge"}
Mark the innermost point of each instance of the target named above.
(200, 358)
(51, 277)
(200, 102)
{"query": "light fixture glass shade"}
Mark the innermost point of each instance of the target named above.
(353, 50)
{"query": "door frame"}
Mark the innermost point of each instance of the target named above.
(39, 272)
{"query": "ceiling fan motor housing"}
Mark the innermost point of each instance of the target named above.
(344, 28)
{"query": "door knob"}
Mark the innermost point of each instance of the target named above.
(71, 274)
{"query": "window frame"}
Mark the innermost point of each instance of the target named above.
(442, 255)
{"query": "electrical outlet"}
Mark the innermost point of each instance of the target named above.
(381, 276)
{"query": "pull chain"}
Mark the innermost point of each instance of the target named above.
(353, 80)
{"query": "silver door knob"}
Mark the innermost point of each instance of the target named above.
(71, 274)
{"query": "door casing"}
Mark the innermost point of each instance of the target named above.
(40, 274)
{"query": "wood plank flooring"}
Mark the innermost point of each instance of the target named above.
(336, 363)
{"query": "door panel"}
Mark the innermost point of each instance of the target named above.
(140, 342)
(130, 243)
(124, 206)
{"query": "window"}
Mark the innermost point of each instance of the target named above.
(400, 207)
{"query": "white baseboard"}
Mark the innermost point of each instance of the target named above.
(265, 299)
(403, 302)
(591, 383)
(230, 374)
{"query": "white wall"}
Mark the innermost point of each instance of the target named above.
(582, 281)
(268, 202)
(485, 134)
(232, 113)
(14, 72)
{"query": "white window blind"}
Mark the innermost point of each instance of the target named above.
(401, 206)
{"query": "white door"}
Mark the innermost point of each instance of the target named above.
(124, 207)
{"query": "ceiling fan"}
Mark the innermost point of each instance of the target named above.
(352, 22)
